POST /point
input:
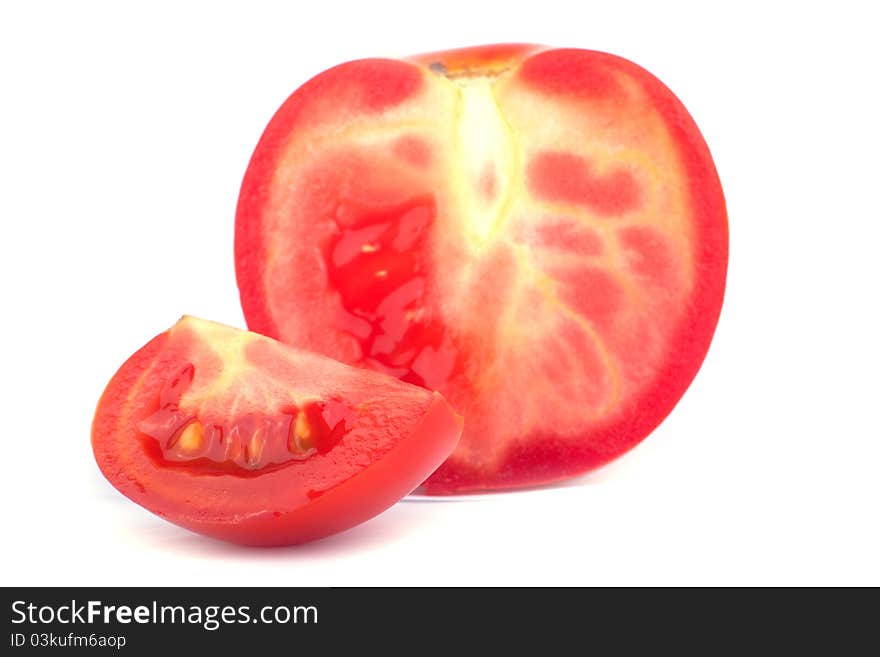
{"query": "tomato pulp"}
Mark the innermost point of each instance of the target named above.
(539, 234)
(237, 436)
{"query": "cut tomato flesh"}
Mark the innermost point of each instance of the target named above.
(538, 234)
(237, 436)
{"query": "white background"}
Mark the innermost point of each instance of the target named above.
(124, 135)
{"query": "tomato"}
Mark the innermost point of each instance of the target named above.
(239, 437)
(539, 234)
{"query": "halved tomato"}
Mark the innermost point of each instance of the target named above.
(539, 234)
(237, 436)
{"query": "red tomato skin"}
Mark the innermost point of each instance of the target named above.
(353, 501)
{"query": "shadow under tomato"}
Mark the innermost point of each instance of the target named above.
(387, 527)
(596, 477)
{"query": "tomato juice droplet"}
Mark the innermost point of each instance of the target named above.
(377, 265)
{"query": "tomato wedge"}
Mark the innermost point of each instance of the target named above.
(539, 234)
(239, 437)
